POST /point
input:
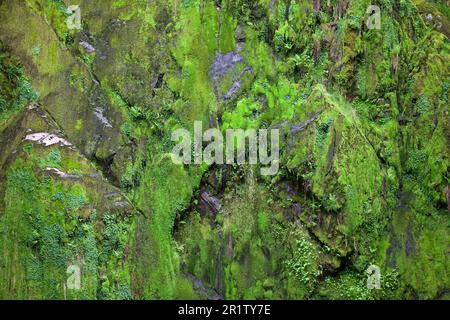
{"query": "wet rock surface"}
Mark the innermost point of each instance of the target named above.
(66, 104)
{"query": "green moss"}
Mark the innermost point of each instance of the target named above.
(364, 180)
(303, 267)
(194, 51)
(157, 196)
(348, 285)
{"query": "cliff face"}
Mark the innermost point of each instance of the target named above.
(86, 179)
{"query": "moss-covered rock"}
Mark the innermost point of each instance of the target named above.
(364, 158)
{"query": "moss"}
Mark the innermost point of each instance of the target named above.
(55, 224)
(415, 241)
(51, 236)
(163, 203)
(226, 33)
(43, 233)
(16, 90)
(348, 285)
(303, 267)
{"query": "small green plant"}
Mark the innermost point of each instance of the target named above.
(422, 104)
(303, 266)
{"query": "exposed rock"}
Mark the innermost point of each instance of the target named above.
(87, 47)
(47, 139)
(208, 204)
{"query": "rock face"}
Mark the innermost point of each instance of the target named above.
(87, 182)
(55, 206)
